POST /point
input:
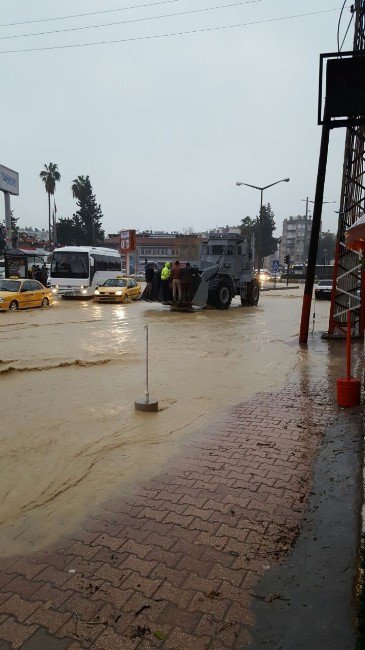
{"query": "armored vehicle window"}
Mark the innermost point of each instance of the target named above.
(216, 249)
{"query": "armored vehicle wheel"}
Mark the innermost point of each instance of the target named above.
(219, 294)
(253, 293)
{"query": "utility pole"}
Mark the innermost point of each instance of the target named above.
(316, 227)
(305, 256)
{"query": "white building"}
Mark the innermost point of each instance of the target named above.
(295, 239)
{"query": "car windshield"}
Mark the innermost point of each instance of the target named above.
(70, 265)
(115, 282)
(325, 283)
(9, 285)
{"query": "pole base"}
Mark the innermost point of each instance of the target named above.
(348, 392)
(149, 406)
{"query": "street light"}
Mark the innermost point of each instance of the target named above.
(261, 190)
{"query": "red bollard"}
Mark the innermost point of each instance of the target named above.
(348, 388)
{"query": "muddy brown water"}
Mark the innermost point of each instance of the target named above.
(70, 437)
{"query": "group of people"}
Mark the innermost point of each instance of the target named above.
(39, 273)
(177, 281)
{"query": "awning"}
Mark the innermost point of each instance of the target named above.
(355, 235)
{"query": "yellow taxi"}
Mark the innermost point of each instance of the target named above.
(16, 293)
(118, 289)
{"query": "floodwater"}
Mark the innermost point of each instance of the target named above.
(70, 437)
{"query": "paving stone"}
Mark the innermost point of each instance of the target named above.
(42, 640)
(18, 607)
(14, 632)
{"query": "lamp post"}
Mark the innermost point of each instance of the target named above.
(261, 190)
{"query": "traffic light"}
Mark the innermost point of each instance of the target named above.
(287, 259)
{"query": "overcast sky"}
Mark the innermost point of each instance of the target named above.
(165, 126)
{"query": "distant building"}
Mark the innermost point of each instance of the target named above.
(226, 230)
(295, 239)
(35, 233)
(159, 247)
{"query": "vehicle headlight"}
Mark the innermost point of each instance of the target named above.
(97, 292)
(119, 293)
(82, 286)
(83, 291)
(54, 290)
(2, 300)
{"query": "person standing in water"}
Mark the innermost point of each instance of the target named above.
(165, 281)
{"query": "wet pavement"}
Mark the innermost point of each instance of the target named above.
(315, 602)
(170, 554)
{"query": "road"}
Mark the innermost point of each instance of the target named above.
(70, 374)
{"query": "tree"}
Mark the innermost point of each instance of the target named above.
(14, 229)
(87, 220)
(66, 234)
(14, 226)
(247, 225)
(268, 243)
(2, 238)
(189, 243)
(326, 248)
(50, 176)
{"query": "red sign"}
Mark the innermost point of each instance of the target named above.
(127, 241)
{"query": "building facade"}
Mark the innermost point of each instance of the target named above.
(295, 239)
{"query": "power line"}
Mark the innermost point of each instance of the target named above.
(89, 13)
(169, 34)
(132, 20)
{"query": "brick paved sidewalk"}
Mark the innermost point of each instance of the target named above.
(174, 566)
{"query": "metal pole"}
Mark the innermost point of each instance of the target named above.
(147, 394)
(362, 296)
(313, 244)
(305, 231)
(348, 346)
(7, 215)
(259, 237)
(145, 403)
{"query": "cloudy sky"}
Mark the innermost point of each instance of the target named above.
(165, 126)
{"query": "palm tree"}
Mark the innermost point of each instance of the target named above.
(77, 187)
(50, 176)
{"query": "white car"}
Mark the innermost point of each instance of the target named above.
(323, 290)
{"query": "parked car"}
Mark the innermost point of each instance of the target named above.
(323, 290)
(118, 290)
(264, 275)
(21, 294)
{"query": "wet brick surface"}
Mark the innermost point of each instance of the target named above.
(176, 564)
